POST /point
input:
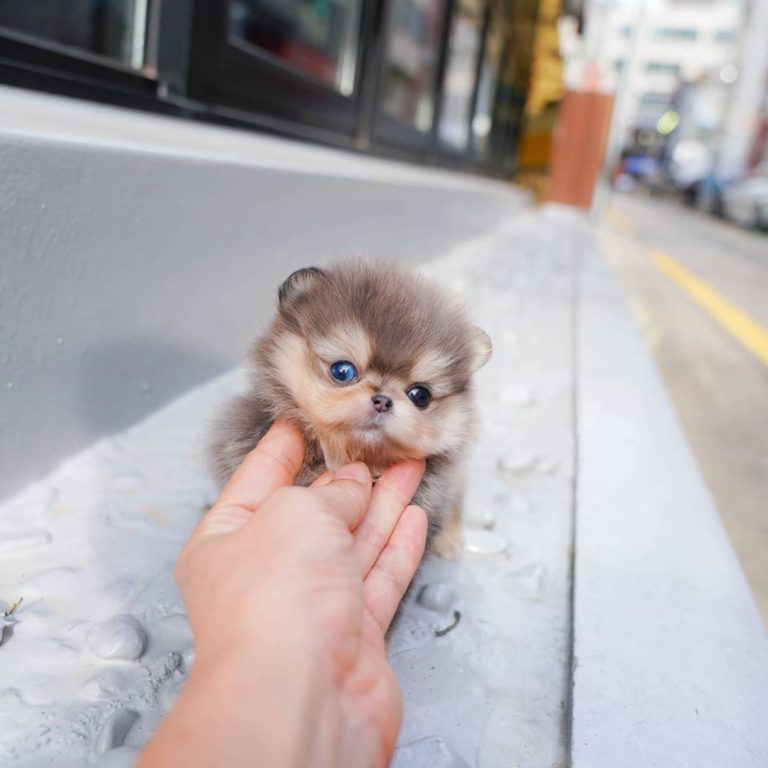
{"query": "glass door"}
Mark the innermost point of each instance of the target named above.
(464, 45)
(410, 73)
(291, 62)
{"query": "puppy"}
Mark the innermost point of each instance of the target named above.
(375, 364)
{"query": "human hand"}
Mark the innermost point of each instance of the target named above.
(290, 591)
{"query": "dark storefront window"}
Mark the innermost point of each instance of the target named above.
(317, 38)
(487, 86)
(112, 29)
(410, 62)
(438, 81)
(463, 48)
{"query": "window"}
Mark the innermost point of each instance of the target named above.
(410, 62)
(116, 31)
(484, 127)
(458, 89)
(654, 100)
(443, 81)
(675, 33)
(662, 67)
(317, 39)
(286, 63)
(725, 35)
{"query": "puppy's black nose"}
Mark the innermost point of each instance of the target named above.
(382, 403)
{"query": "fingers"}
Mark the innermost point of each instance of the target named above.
(393, 571)
(394, 491)
(348, 494)
(272, 464)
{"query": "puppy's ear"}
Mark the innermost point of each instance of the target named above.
(482, 348)
(297, 285)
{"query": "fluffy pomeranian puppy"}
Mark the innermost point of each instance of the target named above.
(375, 364)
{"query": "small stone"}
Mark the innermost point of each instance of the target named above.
(429, 752)
(516, 464)
(115, 729)
(106, 685)
(437, 596)
(122, 757)
(121, 637)
(479, 516)
(480, 542)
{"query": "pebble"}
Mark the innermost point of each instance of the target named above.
(115, 729)
(479, 516)
(122, 757)
(516, 464)
(429, 752)
(437, 596)
(481, 542)
(121, 637)
(106, 685)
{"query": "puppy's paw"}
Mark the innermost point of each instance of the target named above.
(449, 543)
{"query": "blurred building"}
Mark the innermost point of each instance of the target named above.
(437, 81)
(745, 133)
(648, 48)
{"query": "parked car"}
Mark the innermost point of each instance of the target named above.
(746, 201)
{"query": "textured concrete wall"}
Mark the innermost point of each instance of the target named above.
(131, 270)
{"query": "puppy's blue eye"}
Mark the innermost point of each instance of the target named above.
(419, 396)
(343, 371)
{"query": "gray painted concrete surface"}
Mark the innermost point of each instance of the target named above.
(132, 269)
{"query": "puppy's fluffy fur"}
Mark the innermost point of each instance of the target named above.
(398, 331)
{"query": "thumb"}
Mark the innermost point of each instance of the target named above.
(348, 494)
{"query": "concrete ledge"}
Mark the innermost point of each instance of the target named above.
(140, 254)
(670, 655)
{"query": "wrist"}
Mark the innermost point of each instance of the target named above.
(253, 703)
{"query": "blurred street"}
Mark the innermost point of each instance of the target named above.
(698, 288)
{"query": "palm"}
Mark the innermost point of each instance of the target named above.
(338, 560)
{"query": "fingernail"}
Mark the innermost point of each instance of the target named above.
(357, 472)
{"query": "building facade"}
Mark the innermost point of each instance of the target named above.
(435, 81)
(647, 49)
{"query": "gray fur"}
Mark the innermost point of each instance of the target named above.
(404, 315)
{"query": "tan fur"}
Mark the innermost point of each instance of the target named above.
(398, 331)
(347, 341)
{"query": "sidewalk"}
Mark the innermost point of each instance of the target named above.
(667, 657)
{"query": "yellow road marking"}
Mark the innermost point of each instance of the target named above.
(740, 325)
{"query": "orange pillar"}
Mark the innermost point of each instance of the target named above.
(579, 146)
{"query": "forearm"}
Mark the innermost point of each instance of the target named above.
(258, 706)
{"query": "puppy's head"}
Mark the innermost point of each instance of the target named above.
(377, 360)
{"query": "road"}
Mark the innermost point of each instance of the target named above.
(698, 288)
